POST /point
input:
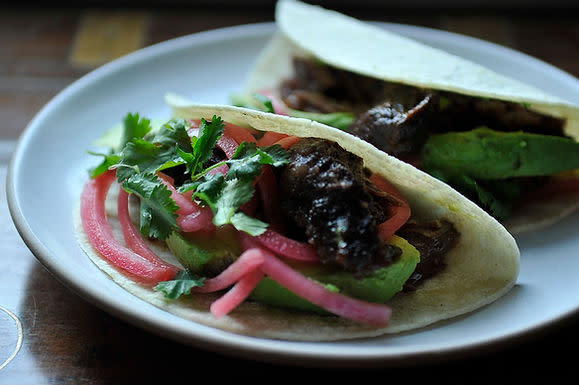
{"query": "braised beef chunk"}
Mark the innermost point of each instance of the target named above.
(394, 128)
(433, 240)
(324, 192)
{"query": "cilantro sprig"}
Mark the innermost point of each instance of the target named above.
(227, 194)
(143, 153)
(182, 284)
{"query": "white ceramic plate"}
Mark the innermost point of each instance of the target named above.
(49, 167)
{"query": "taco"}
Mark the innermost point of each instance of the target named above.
(507, 146)
(280, 227)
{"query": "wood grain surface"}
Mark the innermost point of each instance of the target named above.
(50, 335)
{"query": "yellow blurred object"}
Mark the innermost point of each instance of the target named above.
(105, 36)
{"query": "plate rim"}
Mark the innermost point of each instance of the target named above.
(221, 341)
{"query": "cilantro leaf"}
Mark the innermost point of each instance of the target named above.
(134, 127)
(234, 194)
(182, 284)
(258, 102)
(266, 102)
(227, 194)
(158, 210)
(209, 134)
(208, 189)
(151, 154)
(247, 161)
(250, 225)
(109, 161)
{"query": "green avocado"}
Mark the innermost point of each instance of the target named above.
(485, 154)
(205, 255)
(378, 287)
(208, 256)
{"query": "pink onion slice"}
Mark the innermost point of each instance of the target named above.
(133, 237)
(237, 294)
(100, 234)
(287, 247)
(278, 105)
(248, 261)
(364, 312)
(191, 216)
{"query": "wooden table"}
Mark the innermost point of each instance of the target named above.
(50, 335)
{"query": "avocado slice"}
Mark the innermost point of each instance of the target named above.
(483, 153)
(205, 255)
(378, 287)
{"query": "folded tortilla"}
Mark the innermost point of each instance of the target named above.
(349, 44)
(481, 268)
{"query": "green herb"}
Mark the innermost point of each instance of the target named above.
(265, 101)
(227, 194)
(182, 284)
(134, 127)
(158, 209)
(255, 102)
(144, 153)
(340, 120)
(109, 161)
(152, 154)
(209, 134)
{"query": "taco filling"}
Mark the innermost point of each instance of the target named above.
(234, 211)
(429, 128)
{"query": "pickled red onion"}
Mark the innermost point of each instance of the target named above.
(361, 311)
(248, 261)
(132, 236)
(287, 247)
(100, 234)
(237, 294)
(191, 216)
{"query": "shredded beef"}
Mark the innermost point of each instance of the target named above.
(393, 128)
(324, 192)
(433, 240)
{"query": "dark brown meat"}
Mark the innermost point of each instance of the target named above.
(463, 113)
(433, 240)
(320, 88)
(394, 128)
(324, 192)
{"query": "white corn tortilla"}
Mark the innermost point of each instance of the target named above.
(481, 268)
(350, 44)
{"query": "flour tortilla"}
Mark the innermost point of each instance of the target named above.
(483, 267)
(352, 45)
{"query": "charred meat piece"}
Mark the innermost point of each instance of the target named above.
(433, 240)
(324, 192)
(395, 129)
